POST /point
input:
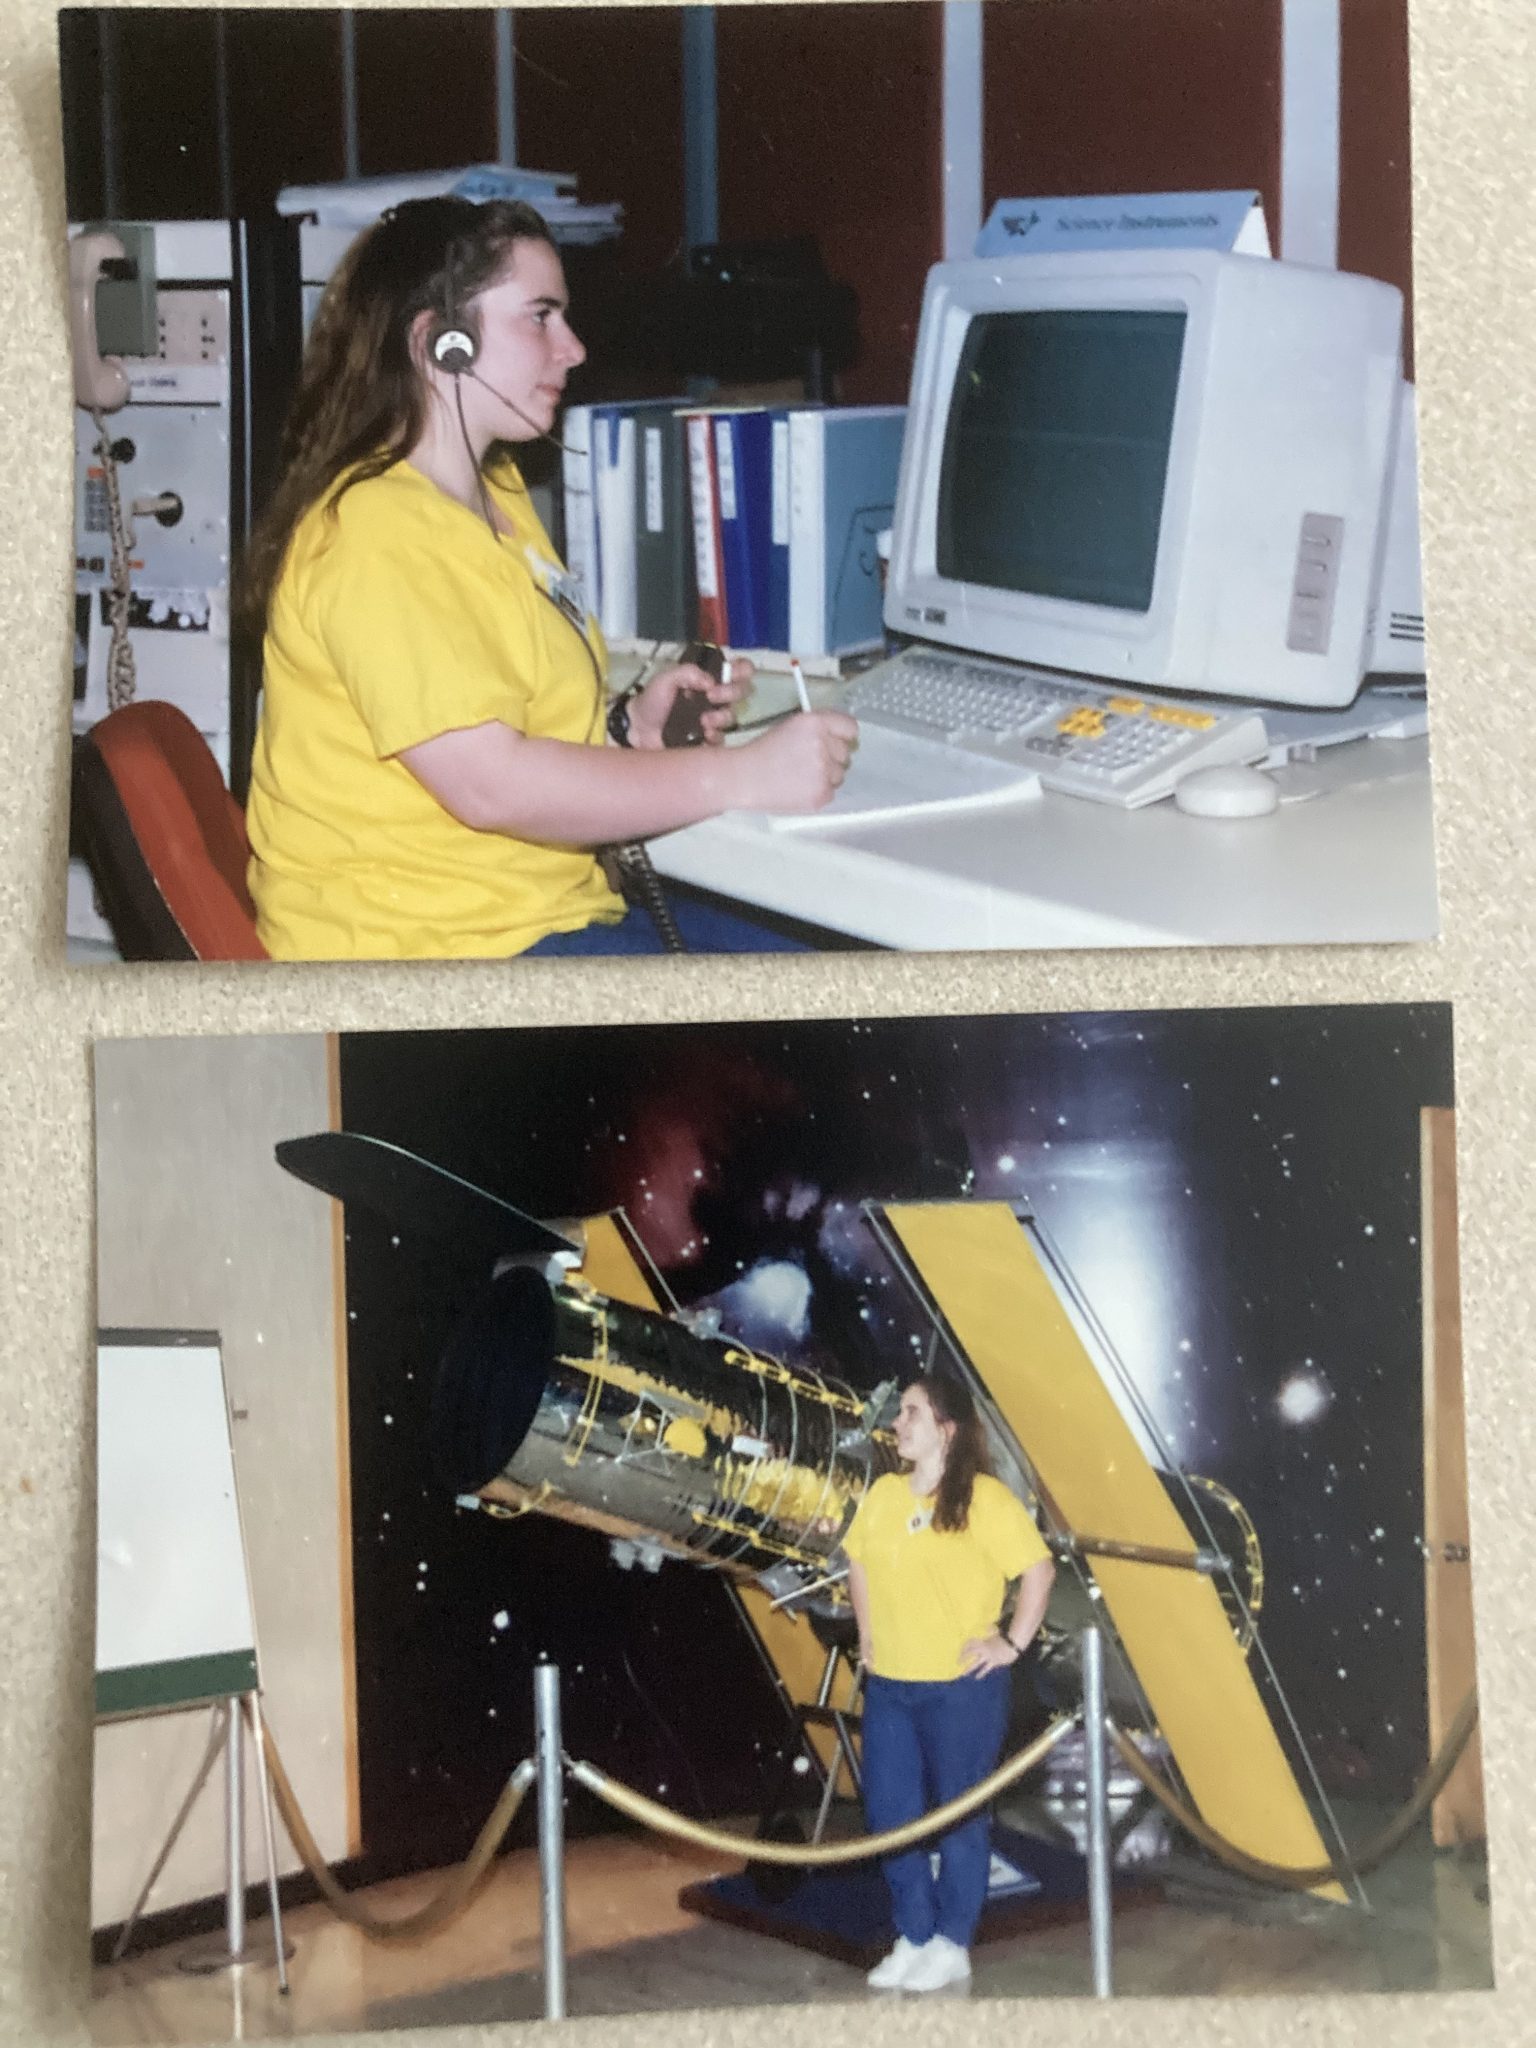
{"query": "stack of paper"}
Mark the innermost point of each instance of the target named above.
(355, 202)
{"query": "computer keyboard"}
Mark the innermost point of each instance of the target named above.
(897, 774)
(1083, 739)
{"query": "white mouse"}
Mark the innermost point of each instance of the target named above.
(1230, 792)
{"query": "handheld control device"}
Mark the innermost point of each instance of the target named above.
(683, 727)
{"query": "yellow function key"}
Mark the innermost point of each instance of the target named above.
(1128, 707)
(1085, 723)
(1173, 714)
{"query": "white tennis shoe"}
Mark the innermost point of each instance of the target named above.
(936, 1965)
(891, 1974)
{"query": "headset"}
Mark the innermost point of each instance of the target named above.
(454, 341)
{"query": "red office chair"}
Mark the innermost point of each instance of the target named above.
(163, 838)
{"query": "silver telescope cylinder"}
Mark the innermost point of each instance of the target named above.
(554, 1398)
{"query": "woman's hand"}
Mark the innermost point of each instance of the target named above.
(648, 710)
(988, 1653)
(798, 765)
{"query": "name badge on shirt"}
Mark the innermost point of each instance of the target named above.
(563, 585)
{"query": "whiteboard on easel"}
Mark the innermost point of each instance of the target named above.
(174, 1625)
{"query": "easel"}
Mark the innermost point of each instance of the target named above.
(174, 1622)
(232, 1718)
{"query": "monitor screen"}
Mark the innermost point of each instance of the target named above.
(1056, 454)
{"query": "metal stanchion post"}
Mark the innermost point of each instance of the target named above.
(1099, 1906)
(550, 1758)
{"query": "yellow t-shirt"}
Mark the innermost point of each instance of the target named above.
(932, 1592)
(399, 618)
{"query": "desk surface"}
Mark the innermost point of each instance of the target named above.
(1351, 862)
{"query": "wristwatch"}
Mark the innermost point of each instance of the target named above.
(618, 715)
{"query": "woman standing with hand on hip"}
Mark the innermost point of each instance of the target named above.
(434, 771)
(931, 1554)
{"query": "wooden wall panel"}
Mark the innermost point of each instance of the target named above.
(1375, 190)
(830, 125)
(165, 65)
(80, 89)
(601, 94)
(1091, 96)
(426, 88)
(285, 102)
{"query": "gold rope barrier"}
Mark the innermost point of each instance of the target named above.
(1375, 1851)
(455, 1895)
(666, 1822)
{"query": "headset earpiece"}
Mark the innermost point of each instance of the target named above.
(453, 343)
(453, 349)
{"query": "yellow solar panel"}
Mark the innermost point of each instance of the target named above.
(609, 1265)
(983, 1272)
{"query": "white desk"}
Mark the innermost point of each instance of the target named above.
(1353, 862)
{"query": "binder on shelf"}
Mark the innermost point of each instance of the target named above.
(665, 591)
(743, 451)
(704, 500)
(600, 474)
(843, 465)
(613, 497)
(776, 625)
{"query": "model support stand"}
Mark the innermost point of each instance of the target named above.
(842, 1721)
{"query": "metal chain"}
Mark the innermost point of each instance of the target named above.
(122, 677)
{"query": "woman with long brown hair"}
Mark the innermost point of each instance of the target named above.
(434, 771)
(931, 1553)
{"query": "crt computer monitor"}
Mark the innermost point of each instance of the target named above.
(1172, 469)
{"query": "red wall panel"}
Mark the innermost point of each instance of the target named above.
(426, 88)
(830, 125)
(1375, 195)
(1096, 96)
(600, 93)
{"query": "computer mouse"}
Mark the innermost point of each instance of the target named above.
(1230, 792)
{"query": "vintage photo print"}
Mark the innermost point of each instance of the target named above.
(538, 492)
(674, 1517)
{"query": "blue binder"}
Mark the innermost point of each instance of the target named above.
(844, 464)
(744, 470)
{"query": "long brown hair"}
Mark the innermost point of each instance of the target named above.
(360, 405)
(951, 1402)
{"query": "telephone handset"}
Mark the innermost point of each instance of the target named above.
(101, 382)
(101, 386)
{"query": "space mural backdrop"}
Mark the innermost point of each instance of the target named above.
(1236, 1192)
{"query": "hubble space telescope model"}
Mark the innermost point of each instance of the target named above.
(567, 1388)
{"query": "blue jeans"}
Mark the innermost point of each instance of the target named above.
(704, 928)
(925, 1742)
